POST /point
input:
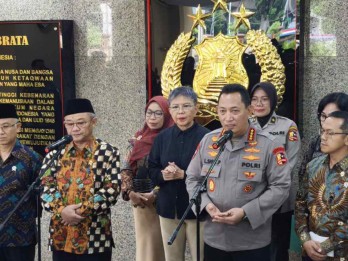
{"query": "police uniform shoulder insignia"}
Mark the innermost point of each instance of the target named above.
(273, 119)
(252, 137)
(281, 159)
(293, 134)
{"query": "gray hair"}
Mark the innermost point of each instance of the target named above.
(92, 115)
(183, 91)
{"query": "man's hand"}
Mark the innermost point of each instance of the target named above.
(212, 210)
(70, 215)
(137, 199)
(232, 216)
(314, 251)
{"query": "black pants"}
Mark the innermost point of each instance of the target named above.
(64, 256)
(281, 231)
(213, 254)
(24, 253)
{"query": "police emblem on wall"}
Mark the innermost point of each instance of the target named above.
(220, 62)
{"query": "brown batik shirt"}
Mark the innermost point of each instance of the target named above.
(89, 177)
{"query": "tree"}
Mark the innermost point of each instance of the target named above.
(268, 11)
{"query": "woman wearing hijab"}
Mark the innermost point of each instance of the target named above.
(138, 188)
(263, 104)
(169, 158)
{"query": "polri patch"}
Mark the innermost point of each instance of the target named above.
(280, 156)
(293, 134)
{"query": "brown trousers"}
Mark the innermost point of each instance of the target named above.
(148, 237)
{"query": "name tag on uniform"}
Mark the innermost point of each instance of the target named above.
(214, 173)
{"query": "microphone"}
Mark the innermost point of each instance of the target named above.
(223, 139)
(65, 140)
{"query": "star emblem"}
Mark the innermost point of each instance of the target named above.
(198, 19)
(220, 3)
(242, 17)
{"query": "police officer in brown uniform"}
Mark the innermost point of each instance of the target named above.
(248, 184)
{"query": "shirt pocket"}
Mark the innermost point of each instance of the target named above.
(248, 181)
(215, 173)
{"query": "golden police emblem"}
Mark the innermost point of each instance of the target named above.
(220, 62)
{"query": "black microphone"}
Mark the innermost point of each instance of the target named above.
(65, 140)
(223, 139)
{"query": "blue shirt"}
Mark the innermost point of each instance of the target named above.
(17, 173)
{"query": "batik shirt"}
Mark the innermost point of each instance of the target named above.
(322, 204)
(90, 177)
(17, 173)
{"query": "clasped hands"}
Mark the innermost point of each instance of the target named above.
(142, 199)
(172, 172)
(232, 216)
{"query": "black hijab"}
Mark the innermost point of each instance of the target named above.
(271, 92)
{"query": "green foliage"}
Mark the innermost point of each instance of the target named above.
(220, 22)
(94, 35)
(272, 10)
(320, 48)
(289, 45)
(274, 29)
(322, 7)
(328, 25)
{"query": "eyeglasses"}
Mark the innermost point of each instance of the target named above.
(262, 100)
(79, 124)
(330, 133)
(156, 114)
(7, 127)
(185, 107)
(322, 116)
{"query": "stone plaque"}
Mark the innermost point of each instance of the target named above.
(37, 76)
